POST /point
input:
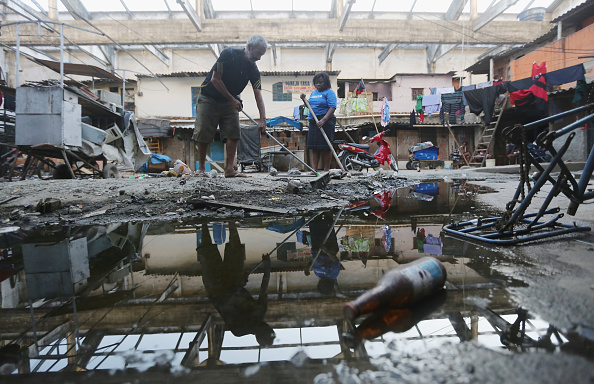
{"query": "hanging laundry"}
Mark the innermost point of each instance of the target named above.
(296, 113)
(445, 90)
(581, 91)
(385, 113)
(360, 87)
(566, 75)
(486, 84)
(540, 83)
(431, 104)
(480, 100)
(451, 103)
(535, 93)
(413, 118)
(465, 88)
(421, 117)
(419, 106)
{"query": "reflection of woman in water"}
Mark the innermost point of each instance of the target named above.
(326, 265)
(225, 282)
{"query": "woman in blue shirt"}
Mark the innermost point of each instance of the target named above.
(323, 102)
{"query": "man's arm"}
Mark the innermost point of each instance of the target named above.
(261, 109)
(217, 82)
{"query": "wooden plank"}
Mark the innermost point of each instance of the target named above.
(200, 203)
(192, 354)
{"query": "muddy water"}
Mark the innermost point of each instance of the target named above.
(183, 295)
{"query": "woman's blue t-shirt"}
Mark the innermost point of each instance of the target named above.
(322, 101)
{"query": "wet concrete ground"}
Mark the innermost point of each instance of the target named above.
(143, 297)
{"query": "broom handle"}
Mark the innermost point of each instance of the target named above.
(324, 134)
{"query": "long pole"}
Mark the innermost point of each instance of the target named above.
(324, 134)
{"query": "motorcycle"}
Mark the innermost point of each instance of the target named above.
(355, 157)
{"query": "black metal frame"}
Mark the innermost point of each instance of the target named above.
(501, 230)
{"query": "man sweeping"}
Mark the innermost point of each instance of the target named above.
(219, 103)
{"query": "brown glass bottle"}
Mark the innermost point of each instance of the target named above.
(397, 320)
(400, 287)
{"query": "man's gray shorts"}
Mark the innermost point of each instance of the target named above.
(209, 115)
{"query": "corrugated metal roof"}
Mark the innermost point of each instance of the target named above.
(262, 73)
(577, 13)
(482, 66)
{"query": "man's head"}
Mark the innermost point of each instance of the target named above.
(264, 334)
(255, 48)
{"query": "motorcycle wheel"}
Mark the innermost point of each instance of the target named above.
(415, 164)
(409, 165)
(393, 163)
(348, 164)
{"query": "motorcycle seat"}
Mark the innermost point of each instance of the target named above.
(362, 146)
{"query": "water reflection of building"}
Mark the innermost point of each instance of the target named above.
(142, 296)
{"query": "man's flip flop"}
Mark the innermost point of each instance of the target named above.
(199, 174)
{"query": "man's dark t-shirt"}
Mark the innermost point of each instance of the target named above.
(235, 71)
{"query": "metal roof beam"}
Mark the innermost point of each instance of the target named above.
(218, 31)
(109, 53)
(216, 49)
(273, 48)
(168, 8)
(491, 13)
(158, 54)
(330, 48)
(455, 10)
(126, 8)
(38, 15)
(192, 15)
(77, 9)
(382, 56)
(209, 12)
(435, 51)
(345, 13)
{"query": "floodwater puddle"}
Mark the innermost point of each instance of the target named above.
(201, 295)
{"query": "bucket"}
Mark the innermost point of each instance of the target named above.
(447, 164)
(490, 163)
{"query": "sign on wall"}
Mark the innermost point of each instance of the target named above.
(298, 86)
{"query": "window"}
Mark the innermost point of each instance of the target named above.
(277, 93)
(375, 96)
(416, 92)
(114, 89)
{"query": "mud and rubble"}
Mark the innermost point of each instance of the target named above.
(555, 274)
(99, 201)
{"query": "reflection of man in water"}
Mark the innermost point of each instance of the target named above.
(326, 265)
(225, 282)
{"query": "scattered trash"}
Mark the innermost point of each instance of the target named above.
(295, 186)
(48, 205)
(181, 168)
(400, 287)
(294, 171)
(170, 173)
(213, 174)
(74, 210)
(211, 197)
(273, 171)
(392, 319)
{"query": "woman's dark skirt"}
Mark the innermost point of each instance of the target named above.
(315, 139)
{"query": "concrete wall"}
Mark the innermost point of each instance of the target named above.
(559, 54)
(402, 93)
(157, 101)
